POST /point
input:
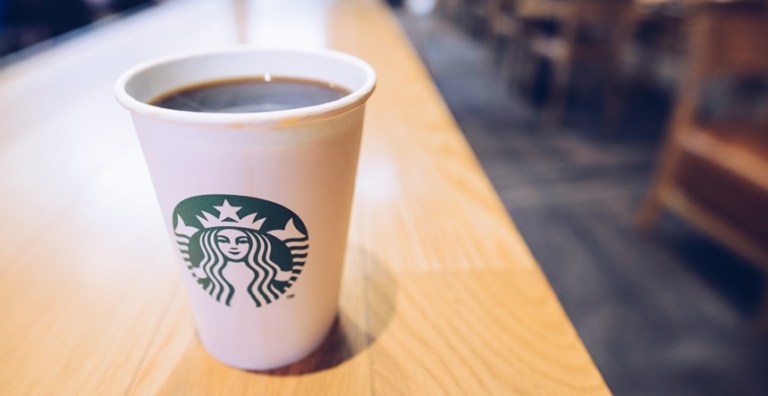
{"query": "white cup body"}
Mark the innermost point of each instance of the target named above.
(279, 185)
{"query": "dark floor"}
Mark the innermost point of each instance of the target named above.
(669, 314)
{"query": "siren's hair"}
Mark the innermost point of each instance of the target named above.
(213, 264)
(262, 289)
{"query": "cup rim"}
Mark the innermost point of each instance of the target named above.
(269, 118)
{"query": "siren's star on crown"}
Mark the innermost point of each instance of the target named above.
(228, 211)
(183, 229)
(228, 218)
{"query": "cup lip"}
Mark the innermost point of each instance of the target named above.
(251, 120)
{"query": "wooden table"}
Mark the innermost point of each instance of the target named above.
(440, 294)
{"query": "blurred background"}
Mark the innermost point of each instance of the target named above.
(628, 140)
(26, 23)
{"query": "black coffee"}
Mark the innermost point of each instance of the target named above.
(250, 95)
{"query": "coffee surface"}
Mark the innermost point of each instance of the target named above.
(250, 95)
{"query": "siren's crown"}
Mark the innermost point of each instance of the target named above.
(228, 218)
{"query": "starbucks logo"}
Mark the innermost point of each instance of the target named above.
(217, 233)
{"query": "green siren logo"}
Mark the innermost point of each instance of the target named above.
(217, 234)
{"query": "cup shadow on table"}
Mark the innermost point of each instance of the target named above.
(358, 324)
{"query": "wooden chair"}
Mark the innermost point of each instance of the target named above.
(658, 42)
(714, 172)
(503, 26)
(589, 32)
(478, 13)
(451, 9)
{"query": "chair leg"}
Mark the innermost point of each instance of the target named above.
(616, 91)
(558, 94)
(499, 47)
(614, 97)
(514, 64)
(649, 213)
(614, 108)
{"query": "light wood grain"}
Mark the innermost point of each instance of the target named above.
(440, 293)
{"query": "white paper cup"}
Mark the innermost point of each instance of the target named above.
(257, 204)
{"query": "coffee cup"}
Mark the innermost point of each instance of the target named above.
(256, 204)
